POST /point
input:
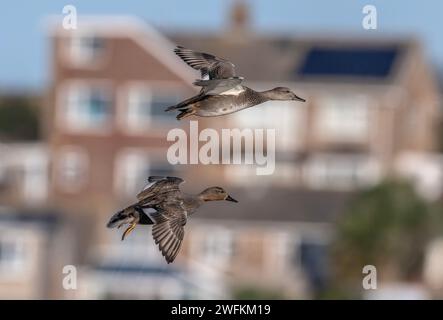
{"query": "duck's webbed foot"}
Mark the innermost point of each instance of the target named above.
(128, 230)
(131, 226)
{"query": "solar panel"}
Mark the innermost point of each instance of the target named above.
(356, 62)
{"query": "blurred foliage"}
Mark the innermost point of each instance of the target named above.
(19, 119)
(388, 226)
(256, 293)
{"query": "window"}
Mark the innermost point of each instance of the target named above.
(218, 246)
(35, 177)
(287, 118)
(343, 119)
(160, 101)
(12, 256)
(285, 173)
(135, 173)
(314, 261)
(279, 246)
(146, 108)
(72, 168)
(341, 172)
(87, 107)
(85, 49)
(133, 169)
(367, 62)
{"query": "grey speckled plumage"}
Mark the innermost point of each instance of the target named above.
(172, 209)
(220, 104)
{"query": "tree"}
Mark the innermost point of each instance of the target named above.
(19, 119)
(387, 226)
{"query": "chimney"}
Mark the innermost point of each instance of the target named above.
(239, 22)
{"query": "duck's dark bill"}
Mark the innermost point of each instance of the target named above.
(229, 198)
(299, 99)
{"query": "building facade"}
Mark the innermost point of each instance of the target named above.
(368, 103)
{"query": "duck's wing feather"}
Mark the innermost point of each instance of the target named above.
(217, 86)
(208, 64)
(158, 186)
(168, 230)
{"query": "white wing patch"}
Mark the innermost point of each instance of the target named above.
(150, 212)
(233, 91)
(150, 184)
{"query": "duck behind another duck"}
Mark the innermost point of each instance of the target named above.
(172, 209)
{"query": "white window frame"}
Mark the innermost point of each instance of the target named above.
(35, 179)
(222, 240)
(80, 155)
(287, 118)
(69, 119)
(343, 118)
(16, 268)
(77, 55)
(341, 172)
(133, 121)
(128, 165)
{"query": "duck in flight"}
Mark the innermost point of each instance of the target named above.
(172, 209)
(221, 90)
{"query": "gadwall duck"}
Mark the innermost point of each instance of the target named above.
(172, 209)
(222, 92)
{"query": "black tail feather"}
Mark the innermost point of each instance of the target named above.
(186, 102)
(185, 113)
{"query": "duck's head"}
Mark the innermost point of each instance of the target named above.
(215, 194)
(122, 217)
(283, 93)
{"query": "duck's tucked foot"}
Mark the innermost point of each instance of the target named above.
(185, 113)
(128, 230)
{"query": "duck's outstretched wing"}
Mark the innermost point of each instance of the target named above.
(218, 74)
(159, 186)
(208, 64)
(168, 230)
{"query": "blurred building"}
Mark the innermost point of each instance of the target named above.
(368, 102)
(33, 245)
(371, 112)
(24, 174)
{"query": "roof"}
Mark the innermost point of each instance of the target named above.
(39, 217)
(281, 58)
(286, 205)
(276, 58)
(125, 26)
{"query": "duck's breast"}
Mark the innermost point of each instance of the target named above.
(231, 101)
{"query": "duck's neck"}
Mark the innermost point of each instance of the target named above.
(267, 95)
(203, 197)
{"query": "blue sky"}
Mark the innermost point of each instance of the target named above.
(24, 49)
